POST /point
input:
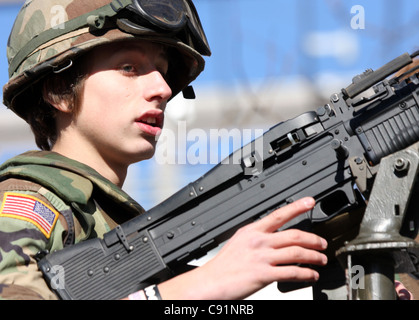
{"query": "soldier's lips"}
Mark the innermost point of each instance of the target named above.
(151, 122)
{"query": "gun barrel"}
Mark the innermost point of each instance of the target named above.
(370, 78)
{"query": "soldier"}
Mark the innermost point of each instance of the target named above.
(92, 79)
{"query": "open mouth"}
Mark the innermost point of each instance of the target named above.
(151, 122)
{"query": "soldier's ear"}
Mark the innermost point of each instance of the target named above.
(57, 101)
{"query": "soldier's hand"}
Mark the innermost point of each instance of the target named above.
(253, 258)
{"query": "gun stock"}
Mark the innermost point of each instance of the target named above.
(318, 154)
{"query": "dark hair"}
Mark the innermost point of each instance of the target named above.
(65, 86)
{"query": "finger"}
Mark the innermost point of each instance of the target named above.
(279, 217)
(294, 237)
(296, 254)
(294, 274)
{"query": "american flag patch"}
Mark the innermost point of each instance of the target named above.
(31, 209)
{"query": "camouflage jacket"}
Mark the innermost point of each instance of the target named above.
(47, 202)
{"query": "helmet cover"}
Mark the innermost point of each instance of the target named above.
(47, 37)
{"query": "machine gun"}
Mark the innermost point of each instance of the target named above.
(332, 154)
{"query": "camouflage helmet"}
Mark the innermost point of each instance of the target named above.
(48, 35)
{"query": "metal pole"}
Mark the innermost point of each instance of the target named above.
(377, 279)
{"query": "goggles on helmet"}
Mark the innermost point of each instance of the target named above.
(176, 18)
(166, 16)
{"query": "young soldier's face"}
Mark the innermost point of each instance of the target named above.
(123, 103)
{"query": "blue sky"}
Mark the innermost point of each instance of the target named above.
(253, 40)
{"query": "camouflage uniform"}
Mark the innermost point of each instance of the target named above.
(74, 203)
(48, 201)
